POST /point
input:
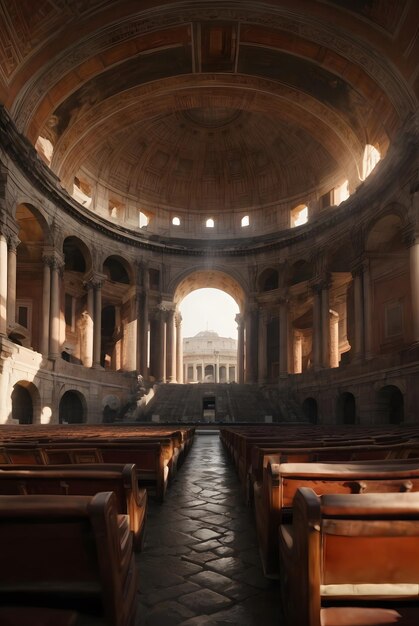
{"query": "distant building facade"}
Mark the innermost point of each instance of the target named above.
(207, 357)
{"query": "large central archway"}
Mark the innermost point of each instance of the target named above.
(214, 356)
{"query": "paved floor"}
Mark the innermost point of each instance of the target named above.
(200, 565)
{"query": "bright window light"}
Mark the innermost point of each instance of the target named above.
(143, 220)
(299, 215)
(370, 160)
(245, 221)
(341, 193)
(210, 223)
(176, 221)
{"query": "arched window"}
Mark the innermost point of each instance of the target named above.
(245, 221)
(176, 221)
(370, 160)
(143, 220)
(210, 223)
(299, 215)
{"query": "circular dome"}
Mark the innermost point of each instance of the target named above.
(211, 158)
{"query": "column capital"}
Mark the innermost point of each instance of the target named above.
(12, 241)
(94, 280)
(178, 318)
(239, 319)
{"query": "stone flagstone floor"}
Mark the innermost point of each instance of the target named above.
(200, 565)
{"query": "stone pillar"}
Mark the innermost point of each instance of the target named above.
(3, 285)
(13, 243)
(143, 324)
(88, 337)
(414, 286)
(161, 346)
(54, 329)
(179, 347)
(251, 343)
(298, 353)
(317, 342)
(170, 347)
(240, 348)
(194, 372)
(46, 305)
(359, 313)
(334, 339)
(325, 325)
(262, 348)
(97, 323)
(367, 310)
(283, 339)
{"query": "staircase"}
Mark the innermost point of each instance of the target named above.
(234, 403)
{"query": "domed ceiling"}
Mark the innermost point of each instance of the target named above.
(200, 105)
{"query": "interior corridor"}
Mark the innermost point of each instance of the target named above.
(200, 564)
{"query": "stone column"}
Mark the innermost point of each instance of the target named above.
(262, 348)
(194, 372)
(161, 346)
(88, 330)
(367, 310)
(46, 305)
(143, 324)
(334, 339)
(179, 347)
(298, 353)
(325, 325)
(250, 343)
(414, 285)
(359, 312)
(3, 285)
(170, 347)
(97, 323)
(54, 329)
(13, 243)
(283, 339)
(317, 342)
(240, 348)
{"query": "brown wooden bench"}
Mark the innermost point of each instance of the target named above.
(273, 498)
(68, 552)
(351, 560)
(83, 480)
(152, 465)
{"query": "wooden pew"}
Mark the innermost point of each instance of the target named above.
(68, 552)
(351, 560)
(152, 465)
(82, 480)
(274, 497)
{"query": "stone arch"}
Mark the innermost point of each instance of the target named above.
(77, 256)
(385, 232)
(346, 408)
(310, 410)
(117, 269)
(25, 403)
(390, 405)
(300, 271)
(72, 408)
(213, 278)
(268, 279)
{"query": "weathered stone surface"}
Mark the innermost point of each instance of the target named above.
(200, 565)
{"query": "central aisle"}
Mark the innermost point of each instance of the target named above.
(200, 565)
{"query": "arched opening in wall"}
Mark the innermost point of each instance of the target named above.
(390, 403)
(346, 408)
(118, 315)
(268, 280)
(310, 410)
(72, 409)
(371, 157)
(22, 404)
(209, 302)
(25, 319)
(299, 215)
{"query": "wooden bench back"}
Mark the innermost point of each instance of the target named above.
(65, 551)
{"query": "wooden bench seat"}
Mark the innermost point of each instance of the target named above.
(347, 552)
(68, 552)
(152, 465)
(83, 480)
(274, 497)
